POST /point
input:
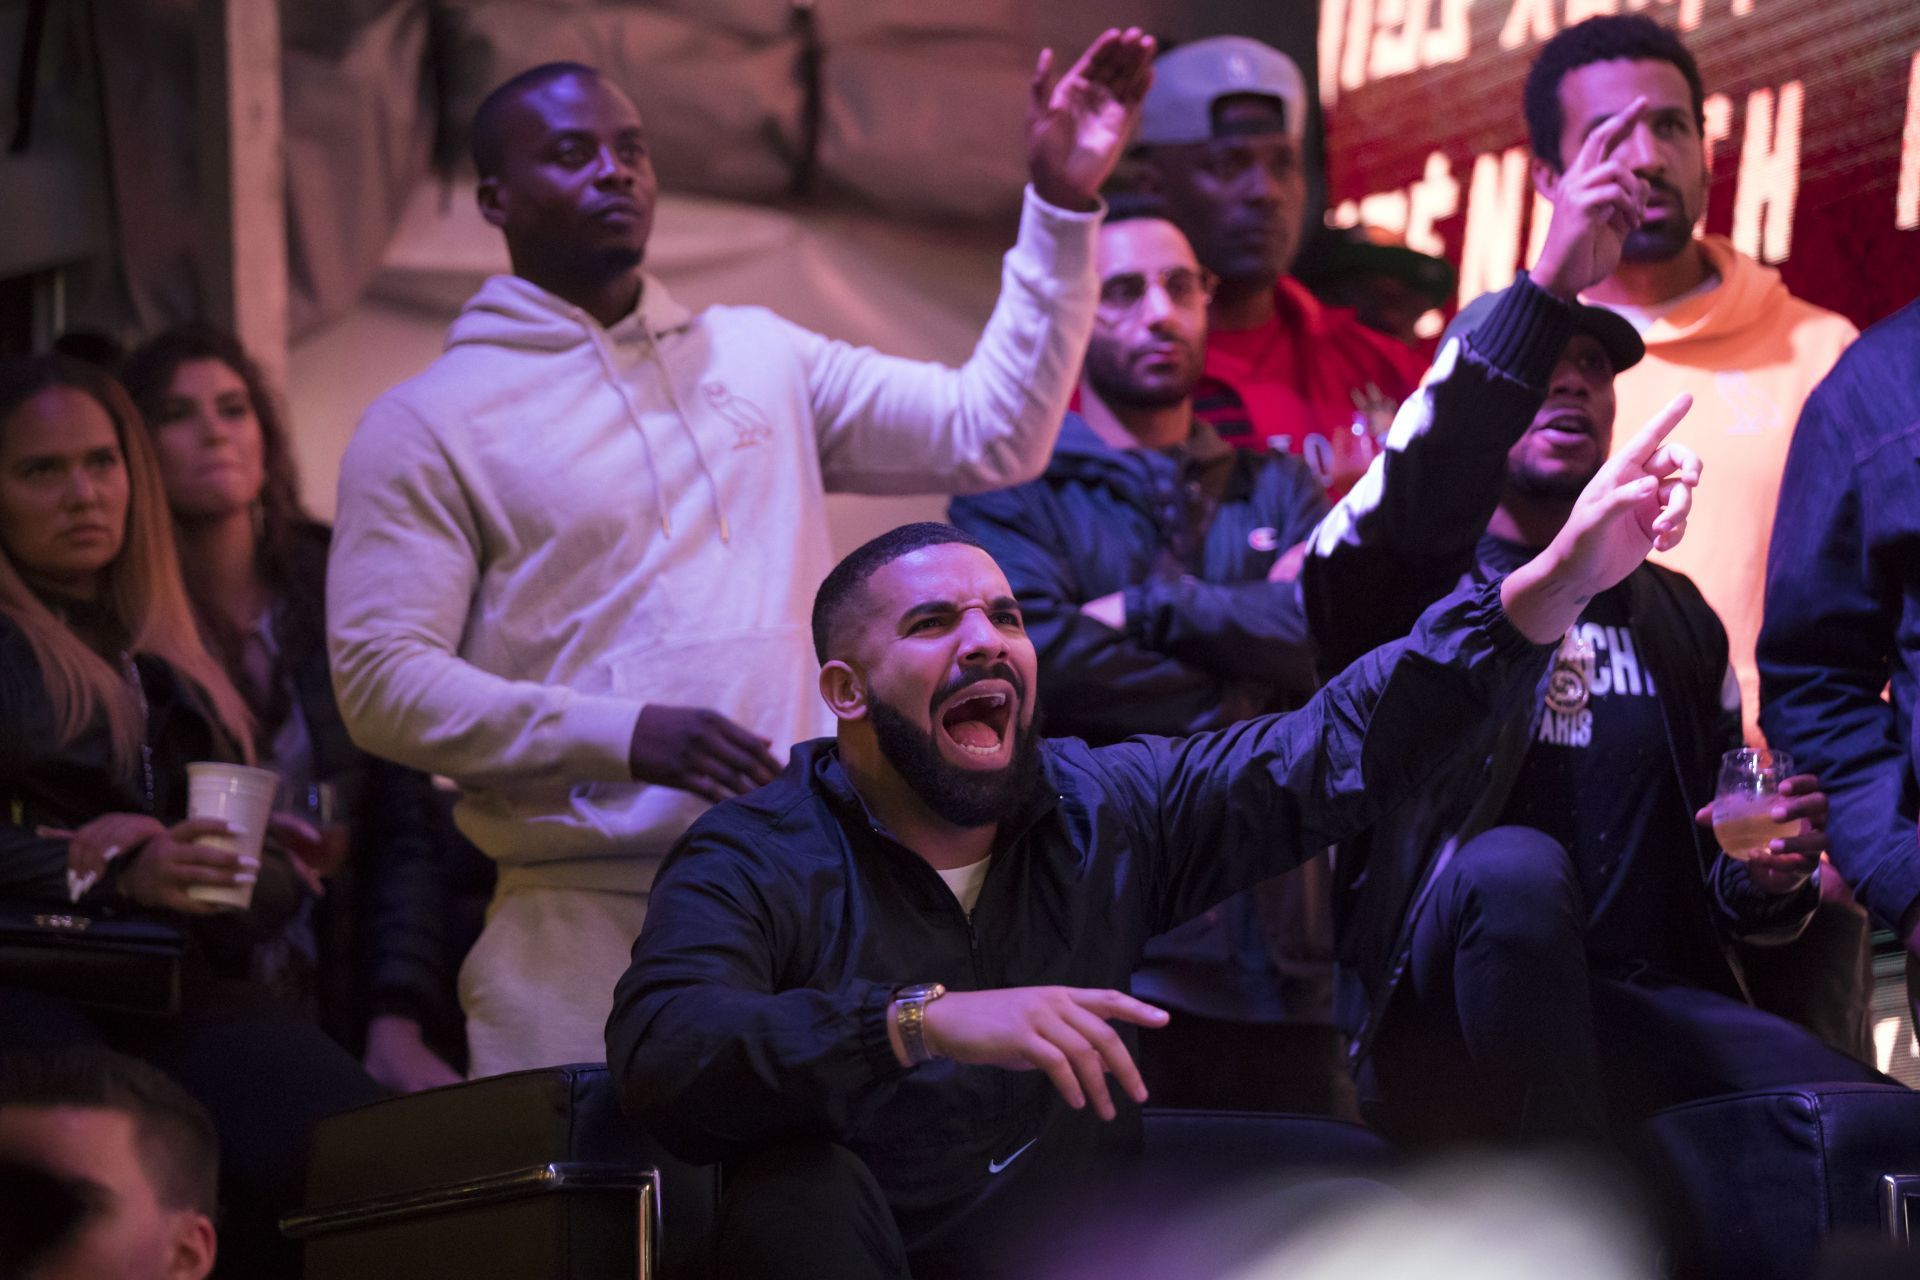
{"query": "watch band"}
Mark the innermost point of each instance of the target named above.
(910, 1014)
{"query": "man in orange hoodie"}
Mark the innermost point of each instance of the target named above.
(1723, 328)
(1716, 323)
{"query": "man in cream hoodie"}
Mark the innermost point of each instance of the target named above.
(574, 558)
(1716, 324)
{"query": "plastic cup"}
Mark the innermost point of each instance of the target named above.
(241, 796)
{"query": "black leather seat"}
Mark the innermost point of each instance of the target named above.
(536, 1176)
(520, 1177)
(1756, 1184)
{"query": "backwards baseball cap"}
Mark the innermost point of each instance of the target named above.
(1187, 81)
(1618, 338)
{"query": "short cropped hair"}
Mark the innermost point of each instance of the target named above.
(488, 134)
(178, 1146)
(846, 586)
(1630, 36)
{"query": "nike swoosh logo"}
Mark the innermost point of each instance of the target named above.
(995, 1166)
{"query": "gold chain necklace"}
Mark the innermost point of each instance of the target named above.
(1567, 690)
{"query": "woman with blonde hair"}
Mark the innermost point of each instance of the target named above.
(106, 693)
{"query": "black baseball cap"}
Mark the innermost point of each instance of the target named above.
(1619, 339)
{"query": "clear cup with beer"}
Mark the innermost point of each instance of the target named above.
(1744, 798)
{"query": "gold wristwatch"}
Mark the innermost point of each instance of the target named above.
(910, 1014)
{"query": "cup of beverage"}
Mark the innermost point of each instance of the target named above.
(242, 797)
(1743, 801)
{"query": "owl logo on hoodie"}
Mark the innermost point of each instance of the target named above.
(750, 426)
(1754, 411)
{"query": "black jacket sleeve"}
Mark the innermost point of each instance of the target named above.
(33, 867)
(404, 931)
(711, 1056)
(1405, 534)
(1224, 810)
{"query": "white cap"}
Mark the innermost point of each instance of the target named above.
(1187, 81)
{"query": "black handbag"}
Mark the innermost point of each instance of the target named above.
(127, 964)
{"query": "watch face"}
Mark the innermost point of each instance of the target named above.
(920, 991)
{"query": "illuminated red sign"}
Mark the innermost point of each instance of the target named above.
(1812, 122)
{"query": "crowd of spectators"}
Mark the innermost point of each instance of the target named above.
(1379, 768)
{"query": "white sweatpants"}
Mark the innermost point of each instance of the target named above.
(538, 985)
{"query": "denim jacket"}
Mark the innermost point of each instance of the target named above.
(1843, 609)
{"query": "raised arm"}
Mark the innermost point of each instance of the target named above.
(1404, 535)
(887, 425)
(1227, 809)
(1261, 797)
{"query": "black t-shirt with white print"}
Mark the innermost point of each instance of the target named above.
(1600, 780)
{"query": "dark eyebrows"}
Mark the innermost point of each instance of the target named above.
(630, 133)
(1653, 114)
(927, 609)
(941, 608)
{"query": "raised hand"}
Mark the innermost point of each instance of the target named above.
(1597, 203)
(1062, 1031)
(1637, 503)
(1078, 124)
(700, 751)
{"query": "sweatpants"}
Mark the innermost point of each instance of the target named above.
(538, 985)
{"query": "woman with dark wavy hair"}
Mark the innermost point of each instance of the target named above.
(376, 965)
(106, 693)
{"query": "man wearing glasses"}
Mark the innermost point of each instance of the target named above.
(1151, 559)
(1153, 564)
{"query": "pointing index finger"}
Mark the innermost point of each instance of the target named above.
(1611, 132)
(1640, 449)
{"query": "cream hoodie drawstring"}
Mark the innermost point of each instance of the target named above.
(597, 337)
(686, 424)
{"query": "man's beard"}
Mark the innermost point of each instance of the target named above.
(1563, 486)
(596, 263)
(964, 797)
(1661, 241)
(1114, 383)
